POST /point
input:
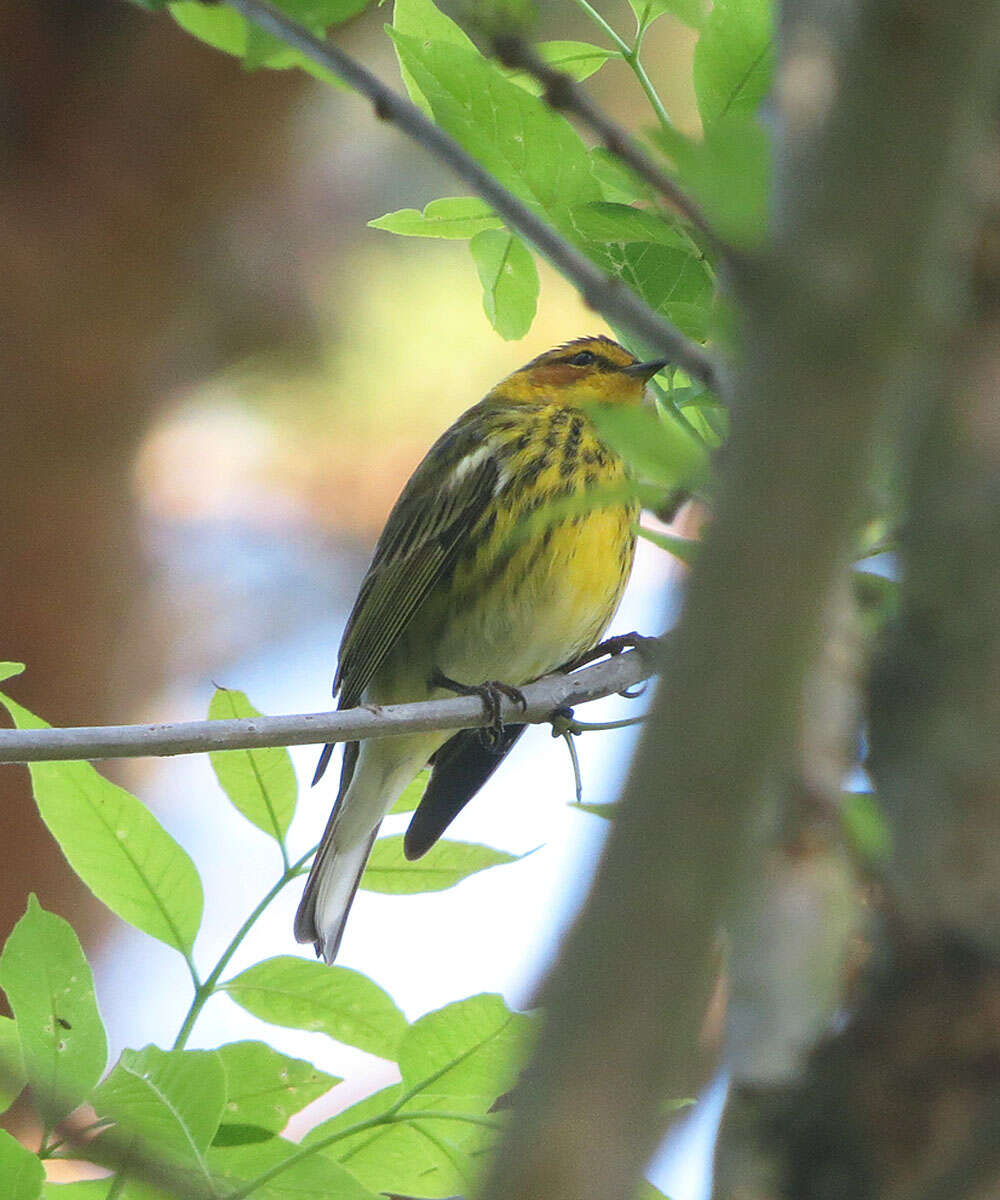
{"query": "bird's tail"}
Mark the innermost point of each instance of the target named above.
(335, 874)
(370, 783)
(329, 893)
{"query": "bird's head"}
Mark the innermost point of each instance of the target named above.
(587, 370)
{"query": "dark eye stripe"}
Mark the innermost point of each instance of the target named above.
(587, 358)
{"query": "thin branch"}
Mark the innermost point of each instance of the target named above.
(197, 737)
(605, 295)
(564, 94)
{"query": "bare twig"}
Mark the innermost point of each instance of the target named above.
(605, 295)
(197, 737)
(564, 94)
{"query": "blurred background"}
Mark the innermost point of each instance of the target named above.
(216, 380)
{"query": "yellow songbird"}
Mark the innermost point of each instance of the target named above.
(461, 592)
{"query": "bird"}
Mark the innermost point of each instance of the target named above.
(473, 589)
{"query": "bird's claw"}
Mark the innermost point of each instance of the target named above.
(614, 646)
(491, 693)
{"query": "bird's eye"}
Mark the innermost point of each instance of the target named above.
(583, 359)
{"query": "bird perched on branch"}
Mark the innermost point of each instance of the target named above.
(472, 583)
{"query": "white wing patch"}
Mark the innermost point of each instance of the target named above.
(469, 463)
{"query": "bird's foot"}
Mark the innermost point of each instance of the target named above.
(612, 647)
(491, 693)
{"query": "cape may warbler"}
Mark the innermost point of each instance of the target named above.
(461, 592)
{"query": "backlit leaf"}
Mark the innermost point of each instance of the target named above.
(265, 1088)
(12, 1076)
(474, 1047)
(728, 173)
(410, 1157)
(532, 150)
(602, 221)
(691, 12)
(260, 782)
(684, 549)
(314, 1178)
(451, 217)
(21, 1172)
(168, 1102)
(116, 846)
(444, 865)
(50, 989)
(657, 448)
(734, 59)
(341, 1003)
(510, 281)
(579, 60)
(413, 793)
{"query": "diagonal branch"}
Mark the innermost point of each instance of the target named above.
(605, 295)
(542, 699)
(564, 94)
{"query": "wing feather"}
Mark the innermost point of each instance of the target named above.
(437, 510)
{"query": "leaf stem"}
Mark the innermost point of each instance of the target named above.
(203, 991)
(598, 20)
(647, 86)
(631, 56)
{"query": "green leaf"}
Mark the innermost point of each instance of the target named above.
(336, 1001)
(648, 1192)
(21, 1171)
(266, 50)
(421, 19)
(87, 1189)
(219, 26)
(265, 1088)
(116, 846)
(411, 1157)
(865, 825)
(474, 1047)
(691, 12)
(510, 281)
(7, 669)
(734, 59)
(602, 221)
(50, 990)
(260, 783)
(607, 811)
(701, 410)
(728, 174)
(877, 596)
(12, 1076)
(531, 150)
(413, 793)
(672, 281)
(684, 549)
(228, 31)
(168, 1101)
(579, 60)
(658, 449)
(618, 181)
(314, 1178)
(444, 865)
(453, 217)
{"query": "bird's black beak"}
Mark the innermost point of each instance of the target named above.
(646, 370)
